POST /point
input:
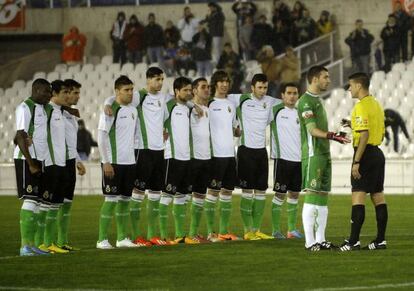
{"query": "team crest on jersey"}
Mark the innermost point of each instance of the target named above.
(108, 189)
(159, 103)
(313, 183)
(229, 109)
(46, 195)
(29, 189)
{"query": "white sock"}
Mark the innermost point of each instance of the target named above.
(308, 221)
(320, 225)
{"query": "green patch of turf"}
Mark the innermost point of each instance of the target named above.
(259, 265)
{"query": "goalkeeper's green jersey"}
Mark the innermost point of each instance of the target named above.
(311, 110)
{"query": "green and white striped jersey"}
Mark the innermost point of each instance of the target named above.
(31, 118)
(120, 133)
(178, 128)
(200, 134)
(56, 138)
(285, 134)
(71, 132)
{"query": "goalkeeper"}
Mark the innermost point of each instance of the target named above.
(316, 159)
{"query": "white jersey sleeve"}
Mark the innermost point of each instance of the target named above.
(23, 117)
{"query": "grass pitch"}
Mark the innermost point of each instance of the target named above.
(258, 265)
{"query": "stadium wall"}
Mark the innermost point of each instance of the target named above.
(96, 22)
(399, 178)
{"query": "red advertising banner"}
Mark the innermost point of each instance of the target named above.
(407, 5)
(12, 14)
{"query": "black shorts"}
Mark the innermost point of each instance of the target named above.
(177, 177)
(252, 168)
(287, 176)
(150, 170)
(200, 175)
(122, 183)
(28, 185)
(223, 173)
(372, 170)
(54, 179)
(70, 181)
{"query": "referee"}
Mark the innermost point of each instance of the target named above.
(368, 165)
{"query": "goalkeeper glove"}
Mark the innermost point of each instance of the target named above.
(341, 138)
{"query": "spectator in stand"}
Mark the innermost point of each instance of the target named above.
(188, 27)
(395, 120)
(305, 28)
(117, 37)
(215, 22)
(261, 34)
(243, 9)
(359, 42)
(403, 24)
(281, 12)
(184, 62)
(134, 37)
(412, 35)
(289, 66)
(281, 37)
(202, 51)
(324, 23)
(245, 35)
(170, 58)
(271, 68)
(171, 34)
(85, 141)
(297, 11)
(378, 57)
(154, 40)
(73, 46)
(390, 35)
(230, 62)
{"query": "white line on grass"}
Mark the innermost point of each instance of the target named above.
(382, 286)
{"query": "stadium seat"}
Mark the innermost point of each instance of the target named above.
(66, 75)
(1, 92)
(127, 69)
(10, 92)
(81, 77)
(19, 84)
(38, 75)
(23, 93)
(101, 68)
(115, 69)
(53, 76)
(338, 93)
(378, 76)
(87, 68)
(93, 76)
(74, 69)
(399, 67)
(389, 84)
(61, 68)
(107, 59)
(393, 76)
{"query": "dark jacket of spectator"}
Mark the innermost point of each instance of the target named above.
(134, 35)
(359, 42)
(242, 10)
(215, 22)
(261, 34)
(305, 28)
(297, 11)
(85, 140)
(229, 61)
(281, 37)
(201, 46)
(154, 35)
(390, 35)
(281, 11)
(172, 34)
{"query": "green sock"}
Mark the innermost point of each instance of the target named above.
(40, 227)
(292, 210)
(122, 215)
(276, 211)
(246, 204)
(51, 226)
(135, 213)
(152, 214)
(210, 210)
(225, 213)
(26, 227)
(179, 211)
(196, 213)
(258, 210)
(163, 213)
(105, 219)
(63, 223)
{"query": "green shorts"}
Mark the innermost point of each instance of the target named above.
(317, 173)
